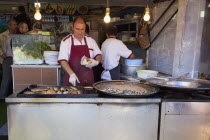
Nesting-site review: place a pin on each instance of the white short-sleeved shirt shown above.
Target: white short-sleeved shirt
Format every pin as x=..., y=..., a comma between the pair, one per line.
x=65, y=47
x=112, y=49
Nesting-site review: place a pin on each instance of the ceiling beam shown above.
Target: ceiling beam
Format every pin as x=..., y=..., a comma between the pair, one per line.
x=141, y=3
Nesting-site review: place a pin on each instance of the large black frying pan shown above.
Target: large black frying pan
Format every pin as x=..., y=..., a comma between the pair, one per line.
x=126, y=86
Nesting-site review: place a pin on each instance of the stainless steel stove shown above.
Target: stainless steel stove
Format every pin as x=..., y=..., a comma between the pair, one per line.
x=183, y=95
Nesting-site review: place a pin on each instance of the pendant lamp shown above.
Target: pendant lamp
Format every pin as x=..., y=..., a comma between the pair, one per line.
x=147, y=14
x=37, y=15
x=107, y=18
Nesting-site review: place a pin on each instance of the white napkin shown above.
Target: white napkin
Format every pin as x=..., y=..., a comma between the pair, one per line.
x=85, y=60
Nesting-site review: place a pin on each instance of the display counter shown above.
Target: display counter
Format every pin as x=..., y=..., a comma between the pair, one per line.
x=110, y=118
x=82, y=118
x=26, y=75
x=103, y=118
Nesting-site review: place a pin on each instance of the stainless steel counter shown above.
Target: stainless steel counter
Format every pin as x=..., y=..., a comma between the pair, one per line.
x=185, y=121
x=107, y=118
x=82, y=118
x=13, y=99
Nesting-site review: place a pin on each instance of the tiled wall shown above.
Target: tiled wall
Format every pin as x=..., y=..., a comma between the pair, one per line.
x=161, y=53
x=24, y=77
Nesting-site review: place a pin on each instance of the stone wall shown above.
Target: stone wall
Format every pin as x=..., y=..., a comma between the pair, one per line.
x=188, y=38
x=161, y=53
x=183, y=45
x=205, y=44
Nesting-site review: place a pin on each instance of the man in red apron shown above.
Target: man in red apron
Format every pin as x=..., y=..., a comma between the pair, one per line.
x=72, y=49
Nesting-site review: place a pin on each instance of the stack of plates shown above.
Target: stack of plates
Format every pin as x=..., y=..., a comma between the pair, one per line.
x=51, y=57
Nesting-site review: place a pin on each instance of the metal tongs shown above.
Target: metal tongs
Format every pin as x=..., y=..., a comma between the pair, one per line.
x=180, y=77
x=172, y=79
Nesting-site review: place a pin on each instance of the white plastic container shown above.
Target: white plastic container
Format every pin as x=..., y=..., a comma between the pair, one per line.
x=144, y=74
x=125, y=36
x=51, y=57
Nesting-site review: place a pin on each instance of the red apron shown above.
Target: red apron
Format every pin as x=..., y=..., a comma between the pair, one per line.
x=84, y=74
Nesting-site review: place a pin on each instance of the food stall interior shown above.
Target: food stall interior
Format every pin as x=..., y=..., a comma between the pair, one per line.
x=173, y=109
x=125, y=17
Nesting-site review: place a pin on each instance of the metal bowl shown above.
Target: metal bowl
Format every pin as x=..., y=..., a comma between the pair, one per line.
x=130, y=70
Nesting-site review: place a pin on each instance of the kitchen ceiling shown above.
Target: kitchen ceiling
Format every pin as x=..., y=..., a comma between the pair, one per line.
x=142, y=3
x=10, y=7
x=3, y=3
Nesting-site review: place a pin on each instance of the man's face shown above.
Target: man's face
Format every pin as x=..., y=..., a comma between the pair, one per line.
x=79, y=30
x=24, y=29
x=12, y=26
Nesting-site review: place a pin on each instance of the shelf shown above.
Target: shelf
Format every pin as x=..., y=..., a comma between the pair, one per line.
x=129, y=25
x=46, y=22
x=131, y=43
x=125, y=21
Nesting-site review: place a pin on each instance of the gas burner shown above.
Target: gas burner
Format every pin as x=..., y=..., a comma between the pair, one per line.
x=184, y=95
x=201, y=95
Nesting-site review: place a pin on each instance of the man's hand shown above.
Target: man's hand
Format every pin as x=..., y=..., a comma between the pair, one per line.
x=73, y=79
x=92, y=64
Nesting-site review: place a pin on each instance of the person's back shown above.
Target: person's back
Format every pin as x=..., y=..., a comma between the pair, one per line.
x=112, y=49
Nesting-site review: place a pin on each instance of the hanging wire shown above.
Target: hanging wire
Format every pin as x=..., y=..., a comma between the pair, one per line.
x=107, y=2
x=37, y=3
x=147, y=2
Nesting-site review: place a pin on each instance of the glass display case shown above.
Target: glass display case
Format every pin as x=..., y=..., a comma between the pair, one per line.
x=29, y=49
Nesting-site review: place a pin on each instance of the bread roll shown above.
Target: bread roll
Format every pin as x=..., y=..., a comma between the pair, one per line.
x=86, y=61
x=38, y=89
x=50, y=91
x=28, y=92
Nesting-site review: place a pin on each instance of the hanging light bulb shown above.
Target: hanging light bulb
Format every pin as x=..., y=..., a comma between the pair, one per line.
x=37, y=15
x=147, y=15
x=107, y=18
